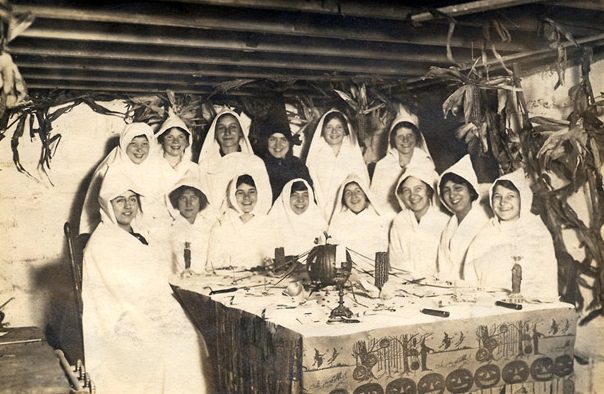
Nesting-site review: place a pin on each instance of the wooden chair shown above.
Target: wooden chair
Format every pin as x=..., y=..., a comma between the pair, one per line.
x=75, y=248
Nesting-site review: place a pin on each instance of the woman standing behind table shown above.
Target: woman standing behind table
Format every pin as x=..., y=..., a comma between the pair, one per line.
x=407, y=148
x=193, y=220
x=358, y=223
x=514, y=236
x=243, y=237
x=282, y=166
x=227, y=152
x=297, y=219
x=175, y=138
x=137, y=338
x=334, y=153
x=135, y=157
x=458, y=188
x=416, y=230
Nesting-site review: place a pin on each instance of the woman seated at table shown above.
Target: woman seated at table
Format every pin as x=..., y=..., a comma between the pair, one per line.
x=175, y=138
x=296, y=218
x=137, y=338
x=227, y=152
x=514, y=237
x=458, y=188
x=407, y=148
x=334, y=153
x=358, y=223
x=416, y=230
x=193, y=220
x=243, y=237
x=134, y=157
x=282, y=166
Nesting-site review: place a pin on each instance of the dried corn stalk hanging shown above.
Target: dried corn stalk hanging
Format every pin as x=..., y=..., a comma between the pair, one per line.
x=369, y=113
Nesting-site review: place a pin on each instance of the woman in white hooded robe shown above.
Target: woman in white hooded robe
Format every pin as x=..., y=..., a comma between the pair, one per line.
x=416, y=230
x=227, y=152
x=334, y=153
x=297, y=219
x=136, y=157
x=137, y=338
x=175, y=140
x=193, y=219
x=243, y=237
x=514, y=236
x=407, y=147
x=358, y=224
x=459, y=192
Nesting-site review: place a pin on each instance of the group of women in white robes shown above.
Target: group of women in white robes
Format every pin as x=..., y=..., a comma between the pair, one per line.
x=137, y=338
x=406, y=148
x=221, y=214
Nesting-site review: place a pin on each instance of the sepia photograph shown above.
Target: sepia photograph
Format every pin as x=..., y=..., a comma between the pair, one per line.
x=302, y=196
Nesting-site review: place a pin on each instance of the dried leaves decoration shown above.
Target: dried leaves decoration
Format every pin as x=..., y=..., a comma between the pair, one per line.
x=555, y=34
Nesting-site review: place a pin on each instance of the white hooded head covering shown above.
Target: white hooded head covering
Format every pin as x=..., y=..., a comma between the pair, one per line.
x=464, y=169
x=118, y=159
x=424, y=174
x=297, y=230
x=174, y=121
x=520, y=181
x=341, y=207
x=350, y=145
x=363, y=233
x=404, y=115
x=264, y=197
x=209, y=157
x=115, y=184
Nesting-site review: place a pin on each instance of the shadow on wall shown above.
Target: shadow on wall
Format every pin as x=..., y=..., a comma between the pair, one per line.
x=77, y=204
x=54, y=280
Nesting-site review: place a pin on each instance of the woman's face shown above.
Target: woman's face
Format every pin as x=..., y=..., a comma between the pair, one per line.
x=228, y=132
x=189, y=205
x=278, y=145
x=175, y=141
x=457, y=197
x=246, y=196
x=138, y=149
x=414, y=194
x=354, y=197
x=334, y=132
x=405, y=140
x=125, y=207
x=299, y=201
x=506, y=203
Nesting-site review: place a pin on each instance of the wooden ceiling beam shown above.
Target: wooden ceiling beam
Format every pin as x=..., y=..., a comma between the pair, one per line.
x=472, y=7
x=132, y=88
x=271, y=23
x=368, y=9
x=213, y=73
x=67, y=49
x=591, y=5
x=95, y=32
x=71, y=75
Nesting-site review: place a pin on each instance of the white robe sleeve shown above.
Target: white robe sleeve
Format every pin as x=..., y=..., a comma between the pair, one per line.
x=395, y=250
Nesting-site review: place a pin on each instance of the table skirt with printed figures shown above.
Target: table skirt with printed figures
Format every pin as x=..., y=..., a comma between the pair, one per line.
x=528, y=351
x=518, y=352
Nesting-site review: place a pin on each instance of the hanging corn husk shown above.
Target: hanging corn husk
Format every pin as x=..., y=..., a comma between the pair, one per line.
x=369, y=115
